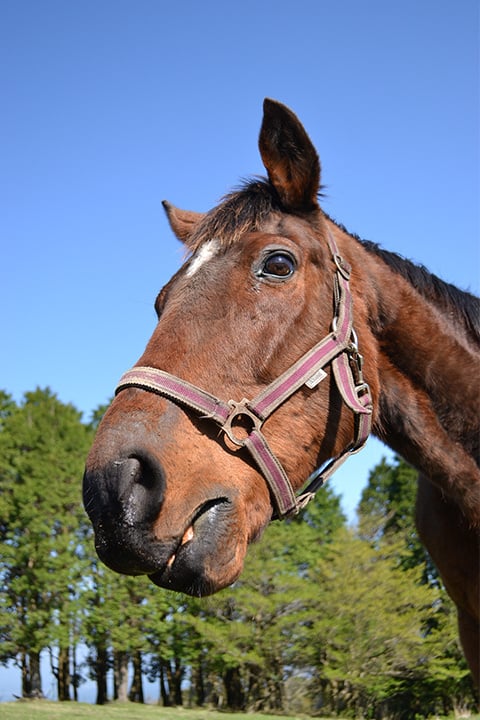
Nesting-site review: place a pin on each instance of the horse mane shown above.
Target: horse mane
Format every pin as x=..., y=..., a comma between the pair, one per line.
x=246, y=208
x=459, y=304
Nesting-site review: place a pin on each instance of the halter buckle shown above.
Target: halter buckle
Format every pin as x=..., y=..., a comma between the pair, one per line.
x=247, y=422
x=344, y=267
x=363, y=392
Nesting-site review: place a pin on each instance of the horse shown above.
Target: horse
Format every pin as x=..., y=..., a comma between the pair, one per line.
x=282, y=342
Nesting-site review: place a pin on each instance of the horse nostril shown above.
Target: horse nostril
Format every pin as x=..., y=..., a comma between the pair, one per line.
x=126, y=472
x=145, y=471
x=141, y=488
x=128, y=490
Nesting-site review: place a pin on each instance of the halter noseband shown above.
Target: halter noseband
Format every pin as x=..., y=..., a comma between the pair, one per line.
x=339, y=348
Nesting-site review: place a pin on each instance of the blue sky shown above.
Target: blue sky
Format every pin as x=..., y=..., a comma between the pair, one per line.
x=108, y=107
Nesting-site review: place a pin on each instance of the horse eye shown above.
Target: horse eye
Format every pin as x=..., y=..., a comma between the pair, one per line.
x=278, y=265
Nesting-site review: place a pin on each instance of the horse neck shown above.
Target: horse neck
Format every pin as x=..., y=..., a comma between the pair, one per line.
x=424, y=372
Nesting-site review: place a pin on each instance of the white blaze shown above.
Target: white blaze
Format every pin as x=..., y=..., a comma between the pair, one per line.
x=203, y=255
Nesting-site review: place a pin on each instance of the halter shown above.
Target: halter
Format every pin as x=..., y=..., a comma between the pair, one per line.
x=339, y=349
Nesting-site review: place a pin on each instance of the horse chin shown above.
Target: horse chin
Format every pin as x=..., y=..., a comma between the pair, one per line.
x=210, y=554
x=188, y=576
x=127, y=550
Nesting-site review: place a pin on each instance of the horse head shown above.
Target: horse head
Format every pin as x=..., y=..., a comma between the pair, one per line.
x=170, y=494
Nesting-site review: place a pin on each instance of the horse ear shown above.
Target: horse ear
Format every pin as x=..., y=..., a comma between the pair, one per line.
x=289, y=157
x=182, y=222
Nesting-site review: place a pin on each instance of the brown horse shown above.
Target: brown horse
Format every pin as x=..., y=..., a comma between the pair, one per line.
x=253, y=377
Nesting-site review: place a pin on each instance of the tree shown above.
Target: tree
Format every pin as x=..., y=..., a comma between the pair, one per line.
x=173, y=642
x=249, y=631
x=387, y=510
x=386, y=520
x=43, y=444
x=367, y=640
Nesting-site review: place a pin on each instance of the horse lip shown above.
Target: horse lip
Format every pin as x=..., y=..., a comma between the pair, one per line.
x=133, y=549
x=207, y=506
x=172, y=574
x=127, y=550
x=189, y=533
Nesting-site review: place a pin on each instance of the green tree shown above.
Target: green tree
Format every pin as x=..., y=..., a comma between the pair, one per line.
x=43, y=443
x=367, y=641
x=249, y=632
x=387, y=511
x=386, y=520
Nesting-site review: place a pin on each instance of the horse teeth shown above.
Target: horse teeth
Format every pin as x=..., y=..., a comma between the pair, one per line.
x=187, y=535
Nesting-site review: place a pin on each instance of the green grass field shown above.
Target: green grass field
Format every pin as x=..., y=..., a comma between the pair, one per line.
x=44, y=710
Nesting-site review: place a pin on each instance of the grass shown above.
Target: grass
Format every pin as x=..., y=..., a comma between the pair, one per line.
x=45, y=710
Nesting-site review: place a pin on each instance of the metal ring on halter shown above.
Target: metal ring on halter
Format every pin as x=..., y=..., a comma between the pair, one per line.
x=342, y=266
x=240, y=410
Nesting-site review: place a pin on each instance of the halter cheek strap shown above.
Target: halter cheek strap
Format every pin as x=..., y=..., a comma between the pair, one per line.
x=338, y=349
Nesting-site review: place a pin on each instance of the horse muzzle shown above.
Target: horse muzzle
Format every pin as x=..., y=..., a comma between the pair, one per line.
x=124, y=499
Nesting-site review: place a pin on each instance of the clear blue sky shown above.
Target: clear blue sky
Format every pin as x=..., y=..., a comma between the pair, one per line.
x=110, y=106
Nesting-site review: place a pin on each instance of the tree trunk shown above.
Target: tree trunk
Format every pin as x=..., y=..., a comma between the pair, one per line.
x=120, y=675
x=75, y=676
x=136, y=689
x=175, y=677
x=25, y=676
x=233, y=689
x=101, y=667
x=63, y=674
x=276, y=687
x=199, y=684
x=31, y=676
x=253, y=694
x=164, y=694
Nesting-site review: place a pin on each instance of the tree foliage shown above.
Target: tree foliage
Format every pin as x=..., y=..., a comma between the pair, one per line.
x=42, y=448
x=322, y=618
x=387, y=510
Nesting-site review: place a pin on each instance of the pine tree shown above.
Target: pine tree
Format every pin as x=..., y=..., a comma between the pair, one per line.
x=386, y=520
x=387, y=510
x=43, y=443
x=249, y=632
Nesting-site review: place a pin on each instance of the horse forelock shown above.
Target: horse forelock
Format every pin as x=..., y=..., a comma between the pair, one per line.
x=241, y=211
